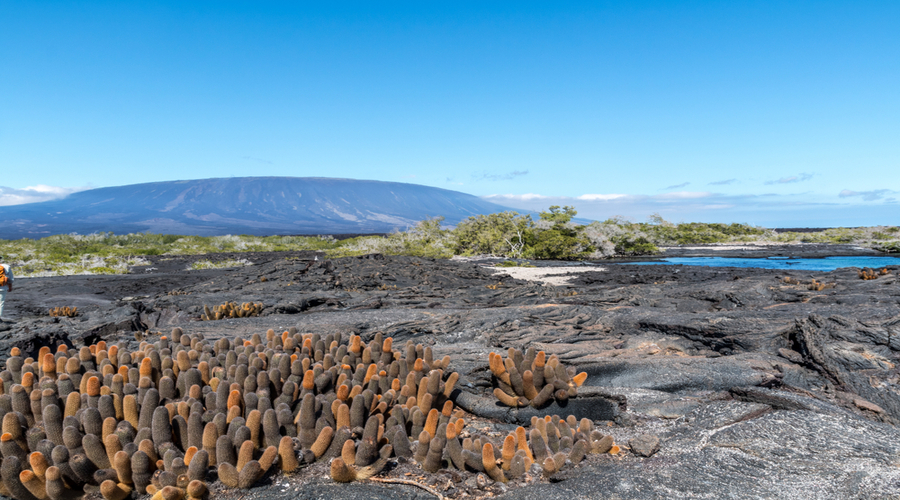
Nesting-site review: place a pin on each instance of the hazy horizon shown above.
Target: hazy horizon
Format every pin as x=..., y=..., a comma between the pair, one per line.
x=541, y=203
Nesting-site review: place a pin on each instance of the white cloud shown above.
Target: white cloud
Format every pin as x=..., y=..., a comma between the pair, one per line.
x=523, y=197
x=35, y=194
x=601, y=197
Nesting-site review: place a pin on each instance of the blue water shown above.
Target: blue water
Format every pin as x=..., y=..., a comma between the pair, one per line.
x=825, y=264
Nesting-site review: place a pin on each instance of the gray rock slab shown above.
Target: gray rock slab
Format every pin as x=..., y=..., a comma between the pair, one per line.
x=660, y=404
x=674, y=374
x=718, y=414
x=591, y=403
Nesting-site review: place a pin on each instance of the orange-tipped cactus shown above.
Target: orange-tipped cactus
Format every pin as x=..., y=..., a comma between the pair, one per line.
x=234, y=399
x=490, y=463
x=507, y=399
x=93, y=386
x=39, y=464
x=508, y=451
x=309, y=380
x=48, y=365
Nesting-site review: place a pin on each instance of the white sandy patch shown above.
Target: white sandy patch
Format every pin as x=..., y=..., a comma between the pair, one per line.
x=545, y=274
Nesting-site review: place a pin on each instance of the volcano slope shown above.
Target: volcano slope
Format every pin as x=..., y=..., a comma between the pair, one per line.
x=755, y=383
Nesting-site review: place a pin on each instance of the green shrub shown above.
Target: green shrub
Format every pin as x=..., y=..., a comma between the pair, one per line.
x=558, y=245
x=692, y=233
x=427, y=239
x=555, y=237
x=635, y=246
x=505, y=234
x=559, y=216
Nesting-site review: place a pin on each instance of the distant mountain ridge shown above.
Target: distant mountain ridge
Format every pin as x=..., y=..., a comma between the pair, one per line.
x=243, y=205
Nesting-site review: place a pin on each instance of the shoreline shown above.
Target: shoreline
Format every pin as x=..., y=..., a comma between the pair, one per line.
x=763, y=250
x=745, y=251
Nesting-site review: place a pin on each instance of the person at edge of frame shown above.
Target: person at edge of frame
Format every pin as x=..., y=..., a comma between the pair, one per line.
x=6, y=284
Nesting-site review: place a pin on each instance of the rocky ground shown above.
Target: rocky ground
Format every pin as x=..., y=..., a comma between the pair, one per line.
x=755, y=385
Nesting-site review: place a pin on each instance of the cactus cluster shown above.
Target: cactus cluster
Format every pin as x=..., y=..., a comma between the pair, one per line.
x=532, y=378
x=818, y=286
x=814, y=285
x=159, y=419
x=552, y=442
x=155, y=420
x=867, y=273
x=231, y=310
x=67, y=312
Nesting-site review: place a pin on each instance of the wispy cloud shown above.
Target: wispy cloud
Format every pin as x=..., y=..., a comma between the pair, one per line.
x=484, y=176
x=679, y=186
x=257, y=160
x=34, y=194
x=723, y=183
x=803, y=177
x=873, y=195
x=683, y=195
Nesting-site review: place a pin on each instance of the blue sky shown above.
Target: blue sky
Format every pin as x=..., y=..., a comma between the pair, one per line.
x=772, y=113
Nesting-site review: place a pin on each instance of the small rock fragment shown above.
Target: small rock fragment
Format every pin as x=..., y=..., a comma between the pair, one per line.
x=645, y=445
x=862, y=404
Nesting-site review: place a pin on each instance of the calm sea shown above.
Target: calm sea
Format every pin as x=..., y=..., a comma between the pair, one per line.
x=824, y=264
